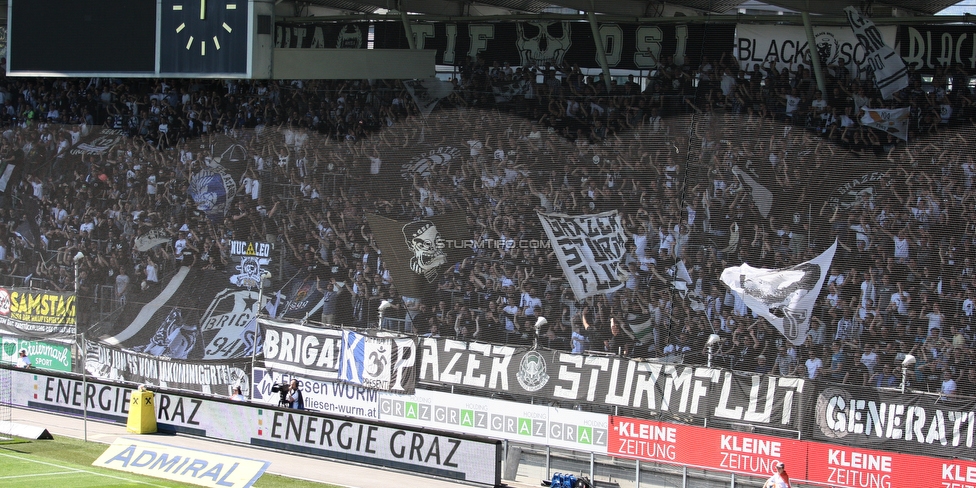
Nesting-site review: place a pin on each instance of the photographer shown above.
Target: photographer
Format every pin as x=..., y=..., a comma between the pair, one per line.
x=294, y=397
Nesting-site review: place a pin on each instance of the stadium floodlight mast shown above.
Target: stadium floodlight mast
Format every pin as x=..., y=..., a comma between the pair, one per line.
x=265, y=275
x=906, y=363
x=712, y=340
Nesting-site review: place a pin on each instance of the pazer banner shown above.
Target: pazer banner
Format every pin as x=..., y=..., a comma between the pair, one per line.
x=668, y=390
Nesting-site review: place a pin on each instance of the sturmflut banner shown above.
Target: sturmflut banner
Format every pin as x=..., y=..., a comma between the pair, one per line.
x=37, y=313
x=589, y=249
x=669, y=391
x=785, y=297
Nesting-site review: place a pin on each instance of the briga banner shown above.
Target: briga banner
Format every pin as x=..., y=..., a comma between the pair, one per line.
x=667, y=390
x=37, y=313
x=299, y=350
x=888, y=420
x=381, y=363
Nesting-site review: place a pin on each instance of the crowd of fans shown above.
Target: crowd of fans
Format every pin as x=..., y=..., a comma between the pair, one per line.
x=669, y=156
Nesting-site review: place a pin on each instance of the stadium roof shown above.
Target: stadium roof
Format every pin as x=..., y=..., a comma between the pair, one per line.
x=634, y=8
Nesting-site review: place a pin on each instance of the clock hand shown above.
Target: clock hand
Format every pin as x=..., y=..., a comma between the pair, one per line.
x=203, y=9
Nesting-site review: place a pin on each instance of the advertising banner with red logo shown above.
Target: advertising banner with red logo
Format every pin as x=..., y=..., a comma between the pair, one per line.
x=712, y=449
x=758, y=455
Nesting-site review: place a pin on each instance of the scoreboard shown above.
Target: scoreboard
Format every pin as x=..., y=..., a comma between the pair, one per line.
x=140, y=38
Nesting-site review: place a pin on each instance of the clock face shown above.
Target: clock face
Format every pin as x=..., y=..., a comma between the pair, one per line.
x=203, y=37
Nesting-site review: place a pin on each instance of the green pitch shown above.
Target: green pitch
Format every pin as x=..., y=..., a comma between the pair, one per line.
x=68, y=462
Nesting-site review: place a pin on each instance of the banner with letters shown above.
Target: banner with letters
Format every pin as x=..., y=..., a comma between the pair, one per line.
x=889, y=71
x=535, y=43
x=589, y=249
x=787, y=45
x=382, y=363
x=213, y=377
x=925, y=47
x=668, y=391
x=321, y=35
x=196, y=314
x=37, y=313
x=300, y=350
x=331, y=397
x=44, y=355
x=887, y=420
x=823, y=464
x=519, y=422
x=435, y=453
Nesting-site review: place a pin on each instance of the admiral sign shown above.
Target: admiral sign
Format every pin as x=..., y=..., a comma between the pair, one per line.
x=37, y=313
x=662, y=389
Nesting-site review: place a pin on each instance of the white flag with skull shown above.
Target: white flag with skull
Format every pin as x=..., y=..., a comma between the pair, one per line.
x=785, y=297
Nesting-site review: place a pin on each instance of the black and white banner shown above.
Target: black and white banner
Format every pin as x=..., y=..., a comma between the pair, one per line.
x=785, y=297
x=152, y=238
x=380, y=363
x=787, y=44
x=891, y=120
x=426, y=93
x=589, y=249
x=888, y=420
x=926, y=47
x=670, y=392
x=299, y=350
x=890, y=73
x=212, y=377
x=536, y=43
x=506, y=92
x=321, y=35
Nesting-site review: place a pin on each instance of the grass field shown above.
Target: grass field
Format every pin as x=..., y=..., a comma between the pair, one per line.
x=68, y=462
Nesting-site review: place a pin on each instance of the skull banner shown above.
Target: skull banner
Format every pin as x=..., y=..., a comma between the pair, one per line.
x=541, y=42
x=419, y=252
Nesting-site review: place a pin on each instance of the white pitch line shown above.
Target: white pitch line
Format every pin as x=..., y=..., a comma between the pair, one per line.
x=75, y=470
x=38, y=475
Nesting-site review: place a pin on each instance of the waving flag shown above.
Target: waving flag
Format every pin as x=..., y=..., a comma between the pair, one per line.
x=785, y=297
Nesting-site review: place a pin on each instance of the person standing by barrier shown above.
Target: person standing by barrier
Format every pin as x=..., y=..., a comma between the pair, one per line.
x=23, y=360
x=295, y=399
x=780, y=479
